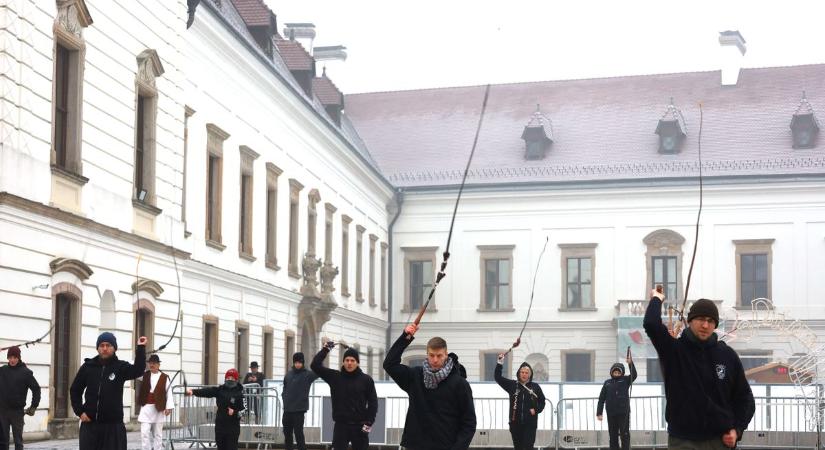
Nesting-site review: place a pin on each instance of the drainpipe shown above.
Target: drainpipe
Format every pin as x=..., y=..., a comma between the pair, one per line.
x=399, y=201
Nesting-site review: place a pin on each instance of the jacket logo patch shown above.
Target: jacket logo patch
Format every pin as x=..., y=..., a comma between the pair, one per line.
x=720, y=371
x=112, y=376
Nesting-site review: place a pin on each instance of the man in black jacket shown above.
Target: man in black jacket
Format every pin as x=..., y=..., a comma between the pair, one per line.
x=15, y=381
x=441, y=415
x=229, y=399
x=616, y=393
x=526, y=402
x=295, y=394
x=100, y=408
x=354, y=401
x=709, y=400
x=254, y=394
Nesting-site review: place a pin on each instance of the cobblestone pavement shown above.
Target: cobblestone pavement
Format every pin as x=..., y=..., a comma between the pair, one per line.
x=133, y=443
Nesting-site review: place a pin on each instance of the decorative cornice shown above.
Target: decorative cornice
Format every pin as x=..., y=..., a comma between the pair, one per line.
x=330, y=207
x=72, y=266
x=248, y=153
x=150, y=286
x=663, y=237
x=584, y=245
x=295, y=184
x=215, y=130
x=314, y=197
x=149, y=66
x=87, y=225
x=273, y=169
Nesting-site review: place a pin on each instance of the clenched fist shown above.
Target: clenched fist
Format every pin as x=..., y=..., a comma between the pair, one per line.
x=142, y=340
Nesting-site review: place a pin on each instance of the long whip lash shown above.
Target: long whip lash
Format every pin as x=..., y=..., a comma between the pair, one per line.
x=698, y=217
x=532, y=294
x=446, y=255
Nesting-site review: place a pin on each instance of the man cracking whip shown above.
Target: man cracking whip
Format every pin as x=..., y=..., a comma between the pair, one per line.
x=526, y=402
x=709, y=400
x=441, y=415
x=616, y=393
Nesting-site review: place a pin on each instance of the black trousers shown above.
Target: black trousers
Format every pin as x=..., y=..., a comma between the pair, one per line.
x=619, y=426
x=14, y=419
x=524, y=435
x=102, y=436
x=343, y=434
x=227, y=434
x=293, y=423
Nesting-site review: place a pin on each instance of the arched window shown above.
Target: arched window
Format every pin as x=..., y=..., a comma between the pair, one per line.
x=664, y=263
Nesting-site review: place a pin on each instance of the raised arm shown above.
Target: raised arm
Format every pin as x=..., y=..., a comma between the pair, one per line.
x=633, y=373
x=317, y=366
x=507, y=384
x=132, y=371
x=655, y=329
x=399, y=373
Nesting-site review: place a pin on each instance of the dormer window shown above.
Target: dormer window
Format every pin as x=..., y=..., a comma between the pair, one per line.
x=537, y=135
x=804, y=125
x=671, y=130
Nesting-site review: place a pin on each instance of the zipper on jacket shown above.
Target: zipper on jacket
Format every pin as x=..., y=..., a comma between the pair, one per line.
x=99, y=386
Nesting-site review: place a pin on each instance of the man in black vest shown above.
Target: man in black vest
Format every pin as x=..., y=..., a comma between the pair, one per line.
x=155, y=404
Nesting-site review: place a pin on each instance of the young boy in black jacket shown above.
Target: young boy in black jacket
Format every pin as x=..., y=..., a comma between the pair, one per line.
x=616, y=393
x=354, y=401
x=100, y=407
x=230, y=401
x=526, y=402
x=709, y=400
x=441, y=415
x=296, y=401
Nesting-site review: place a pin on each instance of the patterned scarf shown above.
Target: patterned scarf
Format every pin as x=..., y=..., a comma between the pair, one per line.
x=431, y=379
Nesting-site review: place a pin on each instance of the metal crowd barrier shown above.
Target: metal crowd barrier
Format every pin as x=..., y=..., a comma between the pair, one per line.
x=779, y=422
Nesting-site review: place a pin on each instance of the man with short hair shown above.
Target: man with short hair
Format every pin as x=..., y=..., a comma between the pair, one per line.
x=97, y=394
x=441, y=414
x=254, y=394
x=354, y=401
x=155, y=401
x=15, y=381
x=709, y=400
x=295, y=395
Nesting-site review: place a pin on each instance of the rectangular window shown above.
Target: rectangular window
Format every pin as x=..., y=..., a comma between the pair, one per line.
x=754, y=359
x=213, y=216
x=61, y=106
x=140, y=153
x=421, y=282
x=330, y=212
x=369, y=362
x=294, y=199
x=665, y=274
x=241, y=346
x=188, y=112
x=267, y=351
x=754, y=276
x=209, y=368
x=489, y=360
x=578, y=367
x=371, y=286
x=496, y=283
x=579, y=283
x=289, y=350
x=62, y=341
x=359, y=262
x=245, y=242
x=345, y=221
x=381, y=375
x=384, y=248
x=654, y=371
x=272, y=173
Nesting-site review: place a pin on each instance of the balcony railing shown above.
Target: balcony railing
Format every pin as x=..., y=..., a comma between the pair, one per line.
x=636, y=308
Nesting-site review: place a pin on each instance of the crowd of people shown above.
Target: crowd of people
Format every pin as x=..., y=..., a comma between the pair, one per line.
x=709, y=400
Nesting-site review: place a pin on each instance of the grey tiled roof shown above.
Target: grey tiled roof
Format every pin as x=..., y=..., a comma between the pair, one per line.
x=603, y=129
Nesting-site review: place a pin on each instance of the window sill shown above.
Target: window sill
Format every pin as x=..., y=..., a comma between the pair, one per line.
x=407, y=310
x=484, y=310
x=359, y=299
x=186, y=234
x=78, y=179
x=293, y=273
x=145, y=207
x=373, y=304
x=272, y=264
x=577, y=309
x=345, y=293
x=247, y=256
x=215, y=244
x=768, y=307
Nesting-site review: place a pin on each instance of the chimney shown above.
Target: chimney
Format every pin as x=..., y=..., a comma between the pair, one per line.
x=330, y=57
x=733, y=52
x=301, y=32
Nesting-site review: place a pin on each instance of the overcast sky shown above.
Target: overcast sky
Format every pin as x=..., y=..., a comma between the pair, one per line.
x=410, y=45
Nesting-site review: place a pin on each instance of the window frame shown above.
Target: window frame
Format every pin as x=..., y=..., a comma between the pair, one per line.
x=752, y=247
x=417, y=254
x=578, y=251
x=246, y=216
x=271, y=256
x=495, y=253
x=664, y=242
x=506, y=370
x=215, y=139
x=566, y=353
x=293, y=263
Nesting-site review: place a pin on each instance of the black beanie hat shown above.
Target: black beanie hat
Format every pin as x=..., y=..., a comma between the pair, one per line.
x=298, y=357
x=704, y=308
x=352, y=352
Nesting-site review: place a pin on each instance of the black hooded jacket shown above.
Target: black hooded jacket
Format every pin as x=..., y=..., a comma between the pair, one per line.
x=14, y=382
x=354, y=400
x=297, y=383
x=705, y=385
x=225, y=397
x=103, y=382
x=443, y=418
x=523, y=397
x=616, y=391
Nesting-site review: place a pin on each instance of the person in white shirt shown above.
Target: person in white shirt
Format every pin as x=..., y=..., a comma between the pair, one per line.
x=156, y=403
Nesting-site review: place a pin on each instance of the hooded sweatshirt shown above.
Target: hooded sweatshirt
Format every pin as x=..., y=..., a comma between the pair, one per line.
x=523, y=397
x=705, y=385
x=616, y=391
x=14, y=382
x=354, y=400
x=102, y=381
x=296, y=389
x=443, y=418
